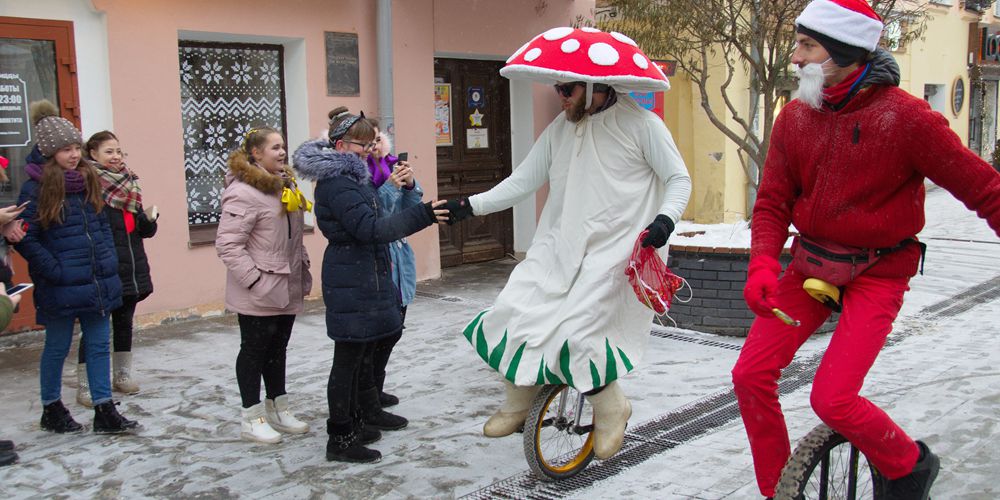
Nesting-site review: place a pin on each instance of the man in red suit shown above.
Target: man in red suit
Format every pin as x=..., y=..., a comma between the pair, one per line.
x=846, y=166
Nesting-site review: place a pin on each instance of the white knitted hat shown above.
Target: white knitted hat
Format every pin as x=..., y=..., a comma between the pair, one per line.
x=852, y=22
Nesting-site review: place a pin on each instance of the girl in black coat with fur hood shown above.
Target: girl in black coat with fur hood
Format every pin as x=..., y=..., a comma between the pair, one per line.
x=362, y=304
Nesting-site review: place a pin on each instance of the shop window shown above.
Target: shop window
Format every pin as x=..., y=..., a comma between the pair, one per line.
x=226, y=89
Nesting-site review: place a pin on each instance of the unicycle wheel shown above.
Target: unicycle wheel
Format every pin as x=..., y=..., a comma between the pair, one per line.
x=825, y=465
x=557, y=433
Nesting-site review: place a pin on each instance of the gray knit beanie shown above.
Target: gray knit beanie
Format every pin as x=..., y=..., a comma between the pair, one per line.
x=52, y=132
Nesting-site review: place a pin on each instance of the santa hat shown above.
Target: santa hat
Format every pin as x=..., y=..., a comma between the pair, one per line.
x=852, y=22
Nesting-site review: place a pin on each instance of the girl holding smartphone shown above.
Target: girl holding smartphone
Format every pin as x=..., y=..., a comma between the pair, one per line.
x=362, y=306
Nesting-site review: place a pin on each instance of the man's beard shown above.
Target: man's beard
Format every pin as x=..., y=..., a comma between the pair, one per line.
x=812, y=77
x=576, y=112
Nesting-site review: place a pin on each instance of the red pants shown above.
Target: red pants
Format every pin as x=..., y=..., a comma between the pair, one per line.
x=870, y=306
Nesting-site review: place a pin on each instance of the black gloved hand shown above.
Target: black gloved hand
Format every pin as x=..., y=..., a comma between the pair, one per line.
x=659, y=231
x=458, y=210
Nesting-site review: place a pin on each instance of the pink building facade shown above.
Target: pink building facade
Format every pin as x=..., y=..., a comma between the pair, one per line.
x=145, y=70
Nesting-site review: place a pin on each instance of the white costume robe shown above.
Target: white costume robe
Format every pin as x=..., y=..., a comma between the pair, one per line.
x=568, y=314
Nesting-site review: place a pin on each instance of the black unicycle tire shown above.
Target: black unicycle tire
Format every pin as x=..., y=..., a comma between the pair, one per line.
x=532, y=451
x=806, y=457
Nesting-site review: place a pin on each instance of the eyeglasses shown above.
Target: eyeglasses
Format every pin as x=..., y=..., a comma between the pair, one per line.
x=566, y=89
x=368, y=146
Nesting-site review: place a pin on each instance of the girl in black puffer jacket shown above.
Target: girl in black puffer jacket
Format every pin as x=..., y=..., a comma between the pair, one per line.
x=72, y=261
x=129, y=226
x=362, y=303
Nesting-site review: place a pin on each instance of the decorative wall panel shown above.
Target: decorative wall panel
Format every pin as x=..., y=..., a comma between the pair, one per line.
x=226, y=89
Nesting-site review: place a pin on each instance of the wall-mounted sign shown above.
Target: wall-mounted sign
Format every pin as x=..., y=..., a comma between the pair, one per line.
x=652, y=101
x=442, y=114
x=342, y=77
x=669, y=68
x=15, y=129
x=957, y=95
x=477, y=98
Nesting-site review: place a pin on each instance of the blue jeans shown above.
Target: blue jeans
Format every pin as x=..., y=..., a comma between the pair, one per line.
x=97, y=341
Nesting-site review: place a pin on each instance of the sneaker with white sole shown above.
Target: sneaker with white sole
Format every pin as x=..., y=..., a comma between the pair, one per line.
x=281, y=419
x=255, y=426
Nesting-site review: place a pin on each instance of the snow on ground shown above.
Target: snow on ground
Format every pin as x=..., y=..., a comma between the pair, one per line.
x=941, y=381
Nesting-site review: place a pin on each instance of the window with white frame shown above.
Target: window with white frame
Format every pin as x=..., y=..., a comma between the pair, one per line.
x=226, y=89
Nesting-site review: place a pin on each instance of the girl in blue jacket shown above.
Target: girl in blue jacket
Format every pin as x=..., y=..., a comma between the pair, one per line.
x=72, y=261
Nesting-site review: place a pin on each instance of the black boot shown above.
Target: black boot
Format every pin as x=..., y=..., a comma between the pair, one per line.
x=56, y=418
x=6, y=445
x=387, y=400
x=375, y=416
x=366, y=433
x=343, y=444
x=107, y=420
x=917, y=484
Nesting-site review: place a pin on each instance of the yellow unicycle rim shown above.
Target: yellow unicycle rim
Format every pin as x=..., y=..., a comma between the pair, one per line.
x=576, y=461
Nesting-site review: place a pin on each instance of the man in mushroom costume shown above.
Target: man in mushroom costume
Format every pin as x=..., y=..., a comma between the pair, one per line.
x=567, y=314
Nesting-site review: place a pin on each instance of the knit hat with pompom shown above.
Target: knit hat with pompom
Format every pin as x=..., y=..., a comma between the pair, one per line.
x=52, y=132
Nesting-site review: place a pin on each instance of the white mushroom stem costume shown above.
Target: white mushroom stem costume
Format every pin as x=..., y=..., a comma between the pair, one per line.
x=567, y=314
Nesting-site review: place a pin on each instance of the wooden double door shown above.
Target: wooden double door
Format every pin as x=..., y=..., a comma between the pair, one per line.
x=37, y=61
x=475, y=157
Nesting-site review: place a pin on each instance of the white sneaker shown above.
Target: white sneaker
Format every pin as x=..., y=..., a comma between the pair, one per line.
x=281, y=419
x=83, y=386
x=255, y=426
x=122, y=380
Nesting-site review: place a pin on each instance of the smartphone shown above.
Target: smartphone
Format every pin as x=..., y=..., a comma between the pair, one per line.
x=18, y=288
x=403, y=156
x=23, y=205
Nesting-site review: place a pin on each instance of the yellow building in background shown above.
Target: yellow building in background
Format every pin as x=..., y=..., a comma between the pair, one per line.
x=939, y=67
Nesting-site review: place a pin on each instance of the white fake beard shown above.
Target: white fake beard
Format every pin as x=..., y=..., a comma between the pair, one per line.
x=812, y=77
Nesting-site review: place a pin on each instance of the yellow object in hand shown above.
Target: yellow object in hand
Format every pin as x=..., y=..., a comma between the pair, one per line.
x=785, y=318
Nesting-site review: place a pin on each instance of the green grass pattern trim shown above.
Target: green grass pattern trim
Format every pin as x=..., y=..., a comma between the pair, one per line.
x=514, y=362
x=564, y=364
x=481, y=347
x=540, y=380
x=552, y=378
x=497, y=353
x=472, y=327
x=611, y=368
x=595, y=377
x=625, y=360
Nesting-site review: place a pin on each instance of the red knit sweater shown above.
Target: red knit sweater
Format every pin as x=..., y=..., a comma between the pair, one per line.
x=856, y=176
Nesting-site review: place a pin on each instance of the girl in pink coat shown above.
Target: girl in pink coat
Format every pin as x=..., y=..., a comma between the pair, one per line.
x=260, y=241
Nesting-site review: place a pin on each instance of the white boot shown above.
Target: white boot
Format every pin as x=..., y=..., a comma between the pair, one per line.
x=122, y=379
x=83, y=386
x=255, y=426
x=281, y=419
x=512, y=413
x=611, y=413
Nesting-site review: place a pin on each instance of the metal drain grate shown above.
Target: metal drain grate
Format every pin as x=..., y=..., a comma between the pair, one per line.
x=684, y=338
x=705, y=415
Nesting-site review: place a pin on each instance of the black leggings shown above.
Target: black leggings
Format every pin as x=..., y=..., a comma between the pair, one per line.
x=262, y=354
x=351, y=373
x=380, y=358
x=121, y=327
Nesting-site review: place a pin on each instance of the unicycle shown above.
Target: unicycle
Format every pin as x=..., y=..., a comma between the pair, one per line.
x=557, y=433
x=825, y=466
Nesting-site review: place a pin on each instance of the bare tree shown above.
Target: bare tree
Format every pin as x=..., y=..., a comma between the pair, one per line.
x=715, y=39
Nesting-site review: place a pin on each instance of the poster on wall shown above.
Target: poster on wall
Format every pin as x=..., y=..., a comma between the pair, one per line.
x=342, y=76
x=652, y=101
x=442, y=113
x=477, y=138
x=14, y=122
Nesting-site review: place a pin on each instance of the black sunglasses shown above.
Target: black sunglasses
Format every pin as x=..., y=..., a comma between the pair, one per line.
x=566, y=89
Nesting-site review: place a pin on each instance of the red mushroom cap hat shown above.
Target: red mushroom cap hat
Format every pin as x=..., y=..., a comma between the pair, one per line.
x=588, y=55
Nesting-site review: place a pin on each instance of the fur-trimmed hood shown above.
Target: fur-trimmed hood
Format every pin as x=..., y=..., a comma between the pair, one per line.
x=258, y=178
x=316, y=160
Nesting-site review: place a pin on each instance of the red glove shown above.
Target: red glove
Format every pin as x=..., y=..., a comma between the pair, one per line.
x=762, y=282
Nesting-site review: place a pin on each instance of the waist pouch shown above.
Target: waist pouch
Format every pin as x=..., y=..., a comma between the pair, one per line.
x=834, y=263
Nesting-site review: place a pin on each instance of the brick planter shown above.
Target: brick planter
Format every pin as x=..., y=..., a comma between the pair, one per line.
x=717, y=277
